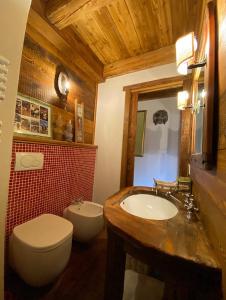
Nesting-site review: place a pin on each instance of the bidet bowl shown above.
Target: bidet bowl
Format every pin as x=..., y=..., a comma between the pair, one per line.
x=87, y=219
x=150, y=207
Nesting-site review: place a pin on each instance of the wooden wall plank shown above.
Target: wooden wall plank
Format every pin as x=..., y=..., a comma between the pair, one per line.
x=151, y=59
x=56, y=52
x=37, y=74
x=209, y=191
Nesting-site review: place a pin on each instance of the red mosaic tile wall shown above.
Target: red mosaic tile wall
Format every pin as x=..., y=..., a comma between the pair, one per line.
x=67, y=174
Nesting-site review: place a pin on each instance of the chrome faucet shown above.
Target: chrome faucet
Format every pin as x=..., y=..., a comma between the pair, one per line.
x=78, y=201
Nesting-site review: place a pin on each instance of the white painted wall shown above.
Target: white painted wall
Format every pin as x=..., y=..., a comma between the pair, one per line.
x=13, y=19
x=160, y=158
x=109, y=127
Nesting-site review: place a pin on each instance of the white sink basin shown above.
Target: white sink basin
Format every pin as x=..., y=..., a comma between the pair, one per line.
x=149, y=207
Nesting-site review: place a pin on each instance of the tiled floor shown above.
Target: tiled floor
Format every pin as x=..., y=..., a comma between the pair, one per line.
x=83, y=279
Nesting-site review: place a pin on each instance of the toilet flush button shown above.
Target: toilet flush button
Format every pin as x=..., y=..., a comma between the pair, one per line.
x=29, y=161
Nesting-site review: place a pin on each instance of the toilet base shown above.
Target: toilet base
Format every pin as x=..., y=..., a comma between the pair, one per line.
x=38, y=268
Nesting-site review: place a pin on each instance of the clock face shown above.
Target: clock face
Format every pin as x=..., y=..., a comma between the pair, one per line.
x=63, y=83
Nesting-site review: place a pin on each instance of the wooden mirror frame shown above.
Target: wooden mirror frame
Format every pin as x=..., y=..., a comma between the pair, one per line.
x=206, y=159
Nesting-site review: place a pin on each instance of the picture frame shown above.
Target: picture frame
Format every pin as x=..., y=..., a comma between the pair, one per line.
x=79, y=122
x=32, y=117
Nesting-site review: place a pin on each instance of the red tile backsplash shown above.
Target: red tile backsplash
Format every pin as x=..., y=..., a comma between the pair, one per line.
x=67, y=174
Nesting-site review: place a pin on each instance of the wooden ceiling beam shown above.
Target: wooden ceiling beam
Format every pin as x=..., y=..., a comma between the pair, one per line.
x=63, y=13
x=147, y=60
x=64, y=46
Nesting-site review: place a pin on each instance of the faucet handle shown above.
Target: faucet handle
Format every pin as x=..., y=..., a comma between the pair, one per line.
x=196, y=209
x=189, y=215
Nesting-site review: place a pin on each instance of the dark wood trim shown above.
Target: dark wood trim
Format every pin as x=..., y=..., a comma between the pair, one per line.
x=172, y=92
x=150, y=59
x=185, y=134
x=131, y=139
x=213, y=186
x=156, y=85
x=207, y=159
x=95, y=115
x=132, y=93
x=115, y=268
x=45, y=141
x=125, y=139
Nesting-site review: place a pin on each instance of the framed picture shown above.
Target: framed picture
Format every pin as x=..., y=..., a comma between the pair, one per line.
x=32, y=117
x=140, y=133
x=79, y=122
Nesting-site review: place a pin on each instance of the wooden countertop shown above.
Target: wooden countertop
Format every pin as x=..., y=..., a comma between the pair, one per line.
x=175, y=238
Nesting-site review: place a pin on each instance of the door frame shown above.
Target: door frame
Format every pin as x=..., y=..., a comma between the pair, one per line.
x=132, y=93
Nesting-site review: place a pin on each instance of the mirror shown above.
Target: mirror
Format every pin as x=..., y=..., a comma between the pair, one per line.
x=204, y=95
x=199, y=102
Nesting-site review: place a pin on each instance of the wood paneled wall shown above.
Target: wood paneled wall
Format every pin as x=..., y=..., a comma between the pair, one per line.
x=45, y=48
x=210, y=186
x=37, y=73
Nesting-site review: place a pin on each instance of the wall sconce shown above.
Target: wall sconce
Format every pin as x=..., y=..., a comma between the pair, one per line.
x=182, y=100
x=62, y=83
x=185, y=54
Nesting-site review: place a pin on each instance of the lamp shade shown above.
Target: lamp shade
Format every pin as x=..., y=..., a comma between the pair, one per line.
x=182, y=99
x=185, y=50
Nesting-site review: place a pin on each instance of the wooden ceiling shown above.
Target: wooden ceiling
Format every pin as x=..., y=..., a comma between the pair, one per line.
x=124, y=33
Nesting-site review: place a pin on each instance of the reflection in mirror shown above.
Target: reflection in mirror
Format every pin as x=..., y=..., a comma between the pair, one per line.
x=205, y=90
x=200, y=95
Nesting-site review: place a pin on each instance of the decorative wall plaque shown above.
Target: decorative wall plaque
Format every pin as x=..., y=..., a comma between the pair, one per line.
x=160, y=117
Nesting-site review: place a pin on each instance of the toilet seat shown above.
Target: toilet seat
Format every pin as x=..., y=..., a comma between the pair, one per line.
x=43, y=233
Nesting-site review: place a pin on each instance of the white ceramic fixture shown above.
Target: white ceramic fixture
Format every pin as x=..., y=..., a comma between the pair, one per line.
x=149, y=207
x=87, y=219
x=40, y=248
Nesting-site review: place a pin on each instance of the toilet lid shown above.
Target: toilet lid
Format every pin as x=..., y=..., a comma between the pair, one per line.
x=44, y=232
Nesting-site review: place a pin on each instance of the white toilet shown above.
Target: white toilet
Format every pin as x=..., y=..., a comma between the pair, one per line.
x=87, y=219
x=40, y=249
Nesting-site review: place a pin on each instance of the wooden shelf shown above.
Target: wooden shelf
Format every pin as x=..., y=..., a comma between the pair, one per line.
x=41, y=140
